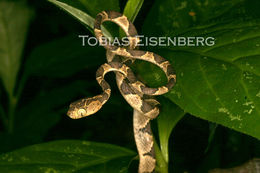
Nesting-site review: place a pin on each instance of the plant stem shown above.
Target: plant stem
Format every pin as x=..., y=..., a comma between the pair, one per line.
x=11, y=113
x=13, y=98
x=162, y=165
x=21, y=85
x=164, y=151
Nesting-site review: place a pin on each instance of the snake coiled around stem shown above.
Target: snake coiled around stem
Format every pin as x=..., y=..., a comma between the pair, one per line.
x=137, y=94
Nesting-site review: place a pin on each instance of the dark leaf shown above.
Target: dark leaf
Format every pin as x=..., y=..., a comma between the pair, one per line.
x=63, y=57
x=67, y=156
x=14, y=21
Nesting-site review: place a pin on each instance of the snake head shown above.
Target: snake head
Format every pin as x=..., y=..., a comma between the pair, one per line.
x=83, y=108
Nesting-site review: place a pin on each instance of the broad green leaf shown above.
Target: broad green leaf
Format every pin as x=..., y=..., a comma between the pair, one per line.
x=171, y=17
x=82, y=16
x=219, y=83
x=170, y=114
x=67, y=156
x=63, y=57
x=14, y=21
x=132, y=8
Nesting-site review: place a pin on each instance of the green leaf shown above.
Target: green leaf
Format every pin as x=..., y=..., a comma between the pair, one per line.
x=161, y=164
x=170, y=114
x=132, y=8
x=67, y=156
x=171, y=17
x=63, y=57
x=82, y=16
x=95, y=7
x=219, y=83
x=14, y=21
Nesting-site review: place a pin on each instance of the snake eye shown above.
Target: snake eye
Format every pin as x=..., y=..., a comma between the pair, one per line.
x=82, y=112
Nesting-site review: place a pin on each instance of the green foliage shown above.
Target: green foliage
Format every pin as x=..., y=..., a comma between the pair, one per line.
x=132, y=8
x=12, y=16
x=43, y=75
x=85, y=18
x=56, y=59
x=169, y=116
x=68, y=156
x=218, y=83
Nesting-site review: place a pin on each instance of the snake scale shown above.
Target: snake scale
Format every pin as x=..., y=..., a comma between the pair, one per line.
x=137, y=94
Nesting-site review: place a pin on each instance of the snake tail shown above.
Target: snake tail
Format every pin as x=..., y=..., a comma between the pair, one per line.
x=144, y=143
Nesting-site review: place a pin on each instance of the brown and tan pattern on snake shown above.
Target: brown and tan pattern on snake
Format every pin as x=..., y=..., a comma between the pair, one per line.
x=137, y=94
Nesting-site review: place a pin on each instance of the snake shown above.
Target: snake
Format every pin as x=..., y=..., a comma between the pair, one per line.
x=139, y=96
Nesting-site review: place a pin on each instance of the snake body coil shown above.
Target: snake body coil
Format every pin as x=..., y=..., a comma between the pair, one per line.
x=138, y=95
